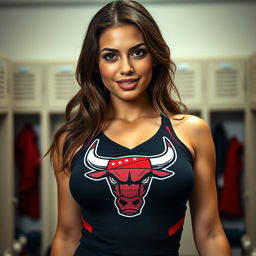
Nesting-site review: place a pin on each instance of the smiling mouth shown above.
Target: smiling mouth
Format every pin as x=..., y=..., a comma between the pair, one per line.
x=127, y=81
x=127, y=84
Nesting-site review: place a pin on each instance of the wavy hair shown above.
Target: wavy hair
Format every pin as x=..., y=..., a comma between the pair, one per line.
x=85, y=112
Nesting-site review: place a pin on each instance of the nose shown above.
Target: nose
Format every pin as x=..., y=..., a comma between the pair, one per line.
x=126, y=67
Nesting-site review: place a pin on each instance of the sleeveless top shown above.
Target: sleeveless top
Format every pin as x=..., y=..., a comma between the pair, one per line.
x=133, y=201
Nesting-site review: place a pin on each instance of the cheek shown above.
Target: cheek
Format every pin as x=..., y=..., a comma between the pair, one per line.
x=145, y=67
x=107, y=71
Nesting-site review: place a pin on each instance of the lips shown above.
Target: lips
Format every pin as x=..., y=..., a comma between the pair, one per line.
x=127, y=84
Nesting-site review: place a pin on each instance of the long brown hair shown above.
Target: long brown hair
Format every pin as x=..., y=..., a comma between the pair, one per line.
x=85, y=112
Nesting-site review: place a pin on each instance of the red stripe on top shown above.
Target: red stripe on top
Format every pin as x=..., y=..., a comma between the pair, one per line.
x=88, y=143
x=168, y=129
x=87, y=226
x=176, y=227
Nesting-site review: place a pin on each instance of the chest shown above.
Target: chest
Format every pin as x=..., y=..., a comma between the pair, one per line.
x=153, y=175
x=133, y=134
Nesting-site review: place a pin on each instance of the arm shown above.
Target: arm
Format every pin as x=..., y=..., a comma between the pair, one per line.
x=209, y=236
x=68, y=231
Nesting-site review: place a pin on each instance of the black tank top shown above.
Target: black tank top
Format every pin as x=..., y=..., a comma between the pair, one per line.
x=133, y=201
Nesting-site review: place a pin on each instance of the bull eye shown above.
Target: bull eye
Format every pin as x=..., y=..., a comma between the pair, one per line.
x=144, y=181
x=112, y=180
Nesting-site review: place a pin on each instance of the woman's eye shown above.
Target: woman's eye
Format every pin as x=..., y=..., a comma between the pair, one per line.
x=139, y=52
x=110, y=56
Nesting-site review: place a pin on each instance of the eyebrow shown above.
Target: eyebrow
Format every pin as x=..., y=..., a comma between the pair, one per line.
x=115, y=50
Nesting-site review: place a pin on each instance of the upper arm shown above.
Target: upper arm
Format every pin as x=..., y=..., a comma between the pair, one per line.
x=69, y=215
x=203, y=200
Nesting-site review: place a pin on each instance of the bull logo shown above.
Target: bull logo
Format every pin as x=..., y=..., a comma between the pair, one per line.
x=129, y=177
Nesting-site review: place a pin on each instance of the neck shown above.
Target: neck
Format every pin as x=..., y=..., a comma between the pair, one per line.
x=131, y=110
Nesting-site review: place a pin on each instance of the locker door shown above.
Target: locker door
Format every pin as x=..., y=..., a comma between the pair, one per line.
x=252, y=79
x=27, y=85
x=3, y=82
x=6, y=183
x=62, y=84
x=188, y=79
x=226, y=82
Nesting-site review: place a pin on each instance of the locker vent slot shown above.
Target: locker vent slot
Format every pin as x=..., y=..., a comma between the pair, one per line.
x=65, y=85
x=185, y=82
x=24, y=86
x=226, y=83
x=2, y=83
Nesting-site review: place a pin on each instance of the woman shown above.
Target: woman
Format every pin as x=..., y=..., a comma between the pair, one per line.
x=127, y=159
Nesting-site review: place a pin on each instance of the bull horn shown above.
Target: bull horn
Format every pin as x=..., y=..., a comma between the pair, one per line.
x=93, y=160
x=167, y=157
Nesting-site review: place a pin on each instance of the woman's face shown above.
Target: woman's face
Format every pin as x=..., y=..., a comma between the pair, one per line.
x=125, y=64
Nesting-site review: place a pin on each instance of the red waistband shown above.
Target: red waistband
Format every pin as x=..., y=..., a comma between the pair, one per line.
x=177, y=226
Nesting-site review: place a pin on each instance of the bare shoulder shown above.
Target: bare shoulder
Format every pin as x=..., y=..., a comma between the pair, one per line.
x=191, y=130
x=192, y=124
x=57, y=152
x=60, y=143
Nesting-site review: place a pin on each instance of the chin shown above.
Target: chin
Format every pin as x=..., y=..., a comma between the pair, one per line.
x=132, y=95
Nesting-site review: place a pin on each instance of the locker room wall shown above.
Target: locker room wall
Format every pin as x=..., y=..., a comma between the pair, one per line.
x=191, y=30
x=194, y=30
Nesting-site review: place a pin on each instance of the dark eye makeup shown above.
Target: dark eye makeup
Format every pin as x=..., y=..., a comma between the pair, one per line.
x=109, y=56
x=137, y=53
x=140, y=52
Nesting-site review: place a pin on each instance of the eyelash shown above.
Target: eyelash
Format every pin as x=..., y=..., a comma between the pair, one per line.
x=114, y=56
x=143, y=51
x=107, y=55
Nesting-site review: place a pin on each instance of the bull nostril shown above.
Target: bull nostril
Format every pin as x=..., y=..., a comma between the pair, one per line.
x=123, y=202
x=137, y=201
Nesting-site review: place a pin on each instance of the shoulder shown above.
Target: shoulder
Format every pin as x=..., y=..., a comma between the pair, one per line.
x=60, y=141
x=187, y=119
x=192, y=130
x=191, y=124
x=57, y=155
x=58, y=152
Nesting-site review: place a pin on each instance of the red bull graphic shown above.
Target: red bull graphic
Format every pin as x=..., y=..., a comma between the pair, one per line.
x=129, y=177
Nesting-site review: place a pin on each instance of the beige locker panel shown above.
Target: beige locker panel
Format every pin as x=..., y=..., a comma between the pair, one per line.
x=225, y=82
x=62, y=85
x=188, y=79
x=6, y=183
x=27, y=85
x=3, y=82
x=250, y=176
x=252, y=79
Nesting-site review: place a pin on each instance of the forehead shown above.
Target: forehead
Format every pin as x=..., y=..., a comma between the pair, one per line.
x=118, y=37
